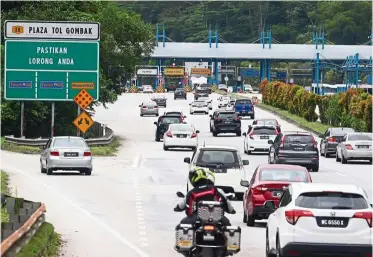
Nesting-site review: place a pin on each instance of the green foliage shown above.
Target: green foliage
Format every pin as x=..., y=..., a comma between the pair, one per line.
x=124, y=39
x=4, y=190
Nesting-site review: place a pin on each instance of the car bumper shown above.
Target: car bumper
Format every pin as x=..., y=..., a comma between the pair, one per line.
x=161, y=103
x=245, y=113
x=325, y=249
x=297, y=161
x=229, y=128
x=180, y=142
x=331, y=148
x=179, y=96
x=257, y=147
x=262, y=213
x=57, y=163
x=205, y=109
x=150, y=112
x=358, y=155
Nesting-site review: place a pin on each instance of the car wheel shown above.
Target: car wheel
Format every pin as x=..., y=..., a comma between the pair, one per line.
x=343, y=159
x=238, y=133
x=42, y=170
x=214, y=133
x=315, y=168
x=322, y=152
x=268, y=253
x=252, y=117
x=49, y=171
x=206, y=112
x=157, y=115
x=141, y=115
x=250, y=222
x=157, y=139
x=248, y=152
x=337, y=159
x=326, y=155
x=88, y=172
x=165, y=148
x=278, y=247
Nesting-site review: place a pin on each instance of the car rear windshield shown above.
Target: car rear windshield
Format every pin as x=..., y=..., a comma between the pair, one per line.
x=212, y=158
x=301, y=139
x=202, y=91
x=263, y=131
x=181, y=127
x=173, y=113
x=283, y=175
x=169, y=120
x=341, y=131
x=239, y=102
x=69, y=142
x=266, y=122
x=331, y=200
x=358, y=137
x=227, y=115
x=179, y=89
x=149, y=104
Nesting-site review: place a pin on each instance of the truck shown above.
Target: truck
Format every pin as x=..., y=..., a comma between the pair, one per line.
x=244, y=107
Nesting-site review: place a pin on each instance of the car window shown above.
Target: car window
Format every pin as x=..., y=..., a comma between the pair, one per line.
x=283, y=175
x=285, y=199
x=341, y=131
x=246, y=101
x=169, y=120
x=149, y=104
x=264, y=131
x=266, y=122
x=331, y=200
x=48, y=145
x=211, y=158
x=173, y=113
x=227, y=115
x=187, y=128
x=69, y=142
x=301, y=139
x=358, y=137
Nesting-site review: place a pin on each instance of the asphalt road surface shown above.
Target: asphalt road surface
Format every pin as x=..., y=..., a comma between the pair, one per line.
x=126, y=207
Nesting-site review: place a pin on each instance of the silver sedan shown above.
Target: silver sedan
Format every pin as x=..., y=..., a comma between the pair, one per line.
x=355, y=146
x=66, y=153
x=149, y=108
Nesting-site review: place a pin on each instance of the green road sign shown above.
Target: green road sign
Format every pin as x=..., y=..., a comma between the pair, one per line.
x=50, y=70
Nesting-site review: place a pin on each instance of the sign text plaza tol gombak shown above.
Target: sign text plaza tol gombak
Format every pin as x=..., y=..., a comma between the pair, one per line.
x=51, y=61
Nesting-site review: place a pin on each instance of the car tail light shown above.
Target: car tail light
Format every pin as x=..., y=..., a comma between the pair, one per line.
x=156, y=106
x=259, y=189
x=169, y=134
x=292, y=216
x=87, y=153
x=251, y=135
x=332, y=139
x=349, y=147
x=282, y=142
x=218, y=119
x=364, y=215
x=237, y=119
x=194, y=135
x=144, y=107
x=314, y=142
x=55, y=153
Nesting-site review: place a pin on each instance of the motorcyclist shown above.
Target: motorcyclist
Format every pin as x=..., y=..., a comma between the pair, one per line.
x=203, y=181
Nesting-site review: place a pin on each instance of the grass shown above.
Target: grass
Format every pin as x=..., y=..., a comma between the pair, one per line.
x=4, y=190
x=45, y=242
x=99, y=150
x=315, y=126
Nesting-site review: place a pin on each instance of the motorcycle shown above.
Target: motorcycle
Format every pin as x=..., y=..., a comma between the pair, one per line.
x=208, y=237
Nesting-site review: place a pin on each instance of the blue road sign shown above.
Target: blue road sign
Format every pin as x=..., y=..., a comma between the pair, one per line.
x=249, y=73
x=370, y=79
x=51, y=84
x=20, y=84
x=279, y=74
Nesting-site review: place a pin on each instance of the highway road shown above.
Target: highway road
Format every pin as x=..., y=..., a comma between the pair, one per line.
x=126, y=207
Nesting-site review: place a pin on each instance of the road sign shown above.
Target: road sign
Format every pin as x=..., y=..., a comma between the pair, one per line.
x=57, y=70
x=83, y=122
x=226, y=78
x=83, y=99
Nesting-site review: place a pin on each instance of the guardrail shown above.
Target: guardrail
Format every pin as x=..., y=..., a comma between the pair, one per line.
x=13, y=244
x=105, y=140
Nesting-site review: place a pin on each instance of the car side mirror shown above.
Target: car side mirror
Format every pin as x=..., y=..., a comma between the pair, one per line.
x=244, y=183
x=245, y=162
x=140, y=105
x=155, y=123
x=210, y=116
x=371, y=205
x=185, y=116
x=197, y=131
x=187, y=160
x=244, y=134
x=270, y=142
x=270, y=205
x=180, y=194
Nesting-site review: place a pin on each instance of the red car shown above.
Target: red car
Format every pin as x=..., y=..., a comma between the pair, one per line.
x=268, y=183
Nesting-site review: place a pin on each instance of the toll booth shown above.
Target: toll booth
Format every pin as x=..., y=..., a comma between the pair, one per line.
x=174, y=77
x=146, y=75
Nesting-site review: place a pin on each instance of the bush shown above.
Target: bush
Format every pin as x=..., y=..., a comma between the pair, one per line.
x=349, y=109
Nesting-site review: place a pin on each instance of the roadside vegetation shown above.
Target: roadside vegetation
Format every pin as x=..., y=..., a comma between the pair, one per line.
x=6, y=191
x=99, y=150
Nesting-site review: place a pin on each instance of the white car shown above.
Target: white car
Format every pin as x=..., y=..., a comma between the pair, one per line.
x=223, y=101
x=256, y=138
x=355, y=146
x=248, y=88
x=199, y=107
x=222, y=87
x=320, y=219
x=148, y=89
x=207, y=100
x=180, y=136
x=226, y=163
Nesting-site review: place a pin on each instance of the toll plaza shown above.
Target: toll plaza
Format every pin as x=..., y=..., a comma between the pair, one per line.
x=173, y=77
x=147, y=75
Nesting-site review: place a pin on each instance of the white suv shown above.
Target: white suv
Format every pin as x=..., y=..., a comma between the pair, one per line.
x=320, y=219
x=226, y=163
x=199, y=107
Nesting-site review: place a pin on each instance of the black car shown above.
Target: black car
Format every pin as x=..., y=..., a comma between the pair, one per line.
x=207, y=87
x=202, y=92
x=180, y=93
x=296, y=148
x=331, y=138
x=163, y=123
x=223, y=121
x=160, y=101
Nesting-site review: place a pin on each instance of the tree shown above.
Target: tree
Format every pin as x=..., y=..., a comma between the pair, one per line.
x=125, y=38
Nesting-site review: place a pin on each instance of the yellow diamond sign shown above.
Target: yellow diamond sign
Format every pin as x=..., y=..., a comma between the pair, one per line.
x=83, y=122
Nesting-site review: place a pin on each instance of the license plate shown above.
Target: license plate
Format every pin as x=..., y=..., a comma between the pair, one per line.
x=208, y=237
x=181, y=136
x=332, y=222
x=150, y=108
x=71, y=154
x=277, y=193
x=264, y=137
x=364, y=146
x=227, y=122
x=298, y=148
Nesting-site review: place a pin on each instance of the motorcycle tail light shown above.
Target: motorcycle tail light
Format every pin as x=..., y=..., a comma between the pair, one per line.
x=209, y=228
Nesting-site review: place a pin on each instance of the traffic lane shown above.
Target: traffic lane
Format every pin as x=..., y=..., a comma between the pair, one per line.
x=82, y=205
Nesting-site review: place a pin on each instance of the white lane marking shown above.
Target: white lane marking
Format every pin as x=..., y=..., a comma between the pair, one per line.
x=136, y=162
x=110, y=230
x=341, y=174
x=142, y=227
x=143, y=239
x=142, y=233
x=140, y=218
x=144, y=244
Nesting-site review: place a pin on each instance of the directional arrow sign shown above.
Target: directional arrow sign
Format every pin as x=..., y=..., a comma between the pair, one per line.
x=83, y=126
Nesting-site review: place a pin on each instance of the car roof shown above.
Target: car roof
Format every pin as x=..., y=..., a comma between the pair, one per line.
x=218, y=147
x=66, y=137
x=263, y=126
x=265, y=119
x=149, y=102
x=171, y=115
x=281, y=167
x=359, y=133
x=299, y=188
x=296, y=132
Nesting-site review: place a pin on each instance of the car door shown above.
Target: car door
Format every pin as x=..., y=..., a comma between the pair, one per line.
x=45, y=152
x=323, y=141
x=246, y=139
x=212, y=123
x=273, y=150
x=341, y=146
x=248, y=191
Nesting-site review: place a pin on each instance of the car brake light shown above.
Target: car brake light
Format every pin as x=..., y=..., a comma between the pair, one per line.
x=87, y=154
x=54, y=153
x=144, y=107
x=349, y=147
x=156, y=106
x=218, y=119
x=292, y=216
x=259, y=189
x=194, y=134
x=364, y=215
x=314, y=142
x=282, y=142
x=251, y=135
x=169, y=134
x=237, y=119
x=331, y=139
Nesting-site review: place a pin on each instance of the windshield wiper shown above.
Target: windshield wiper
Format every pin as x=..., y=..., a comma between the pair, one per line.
x=341, y=208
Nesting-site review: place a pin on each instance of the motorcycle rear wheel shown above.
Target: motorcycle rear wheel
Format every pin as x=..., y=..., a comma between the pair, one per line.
x=211, y=252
